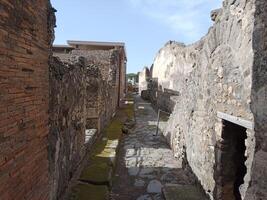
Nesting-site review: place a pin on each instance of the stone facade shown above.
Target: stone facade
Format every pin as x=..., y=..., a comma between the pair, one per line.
x=26, y=35
x=74, y=88
x=112, y=67
x=84, y=95
x=220, y=83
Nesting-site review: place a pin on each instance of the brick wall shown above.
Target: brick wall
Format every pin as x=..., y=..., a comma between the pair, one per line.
x=26, y=33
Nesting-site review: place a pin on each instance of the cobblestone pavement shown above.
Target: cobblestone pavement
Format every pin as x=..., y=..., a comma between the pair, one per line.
x=145, y=162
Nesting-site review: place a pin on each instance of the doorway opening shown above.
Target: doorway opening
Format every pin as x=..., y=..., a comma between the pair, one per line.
x=233, y=168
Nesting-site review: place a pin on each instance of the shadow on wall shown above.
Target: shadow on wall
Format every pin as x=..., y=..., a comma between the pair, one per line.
x=163, y=99
x=257, y=188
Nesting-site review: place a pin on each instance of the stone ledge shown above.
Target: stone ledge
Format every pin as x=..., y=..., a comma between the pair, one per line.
x=236, y=120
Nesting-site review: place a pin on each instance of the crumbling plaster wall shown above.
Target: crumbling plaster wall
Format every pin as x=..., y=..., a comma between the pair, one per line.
x=215, y=74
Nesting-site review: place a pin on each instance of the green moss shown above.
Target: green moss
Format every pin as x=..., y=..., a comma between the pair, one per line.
x=87, y=191
x=129, y=110
x=98, y=172
x=113, y=131
x=107, y=153
x=102, y=160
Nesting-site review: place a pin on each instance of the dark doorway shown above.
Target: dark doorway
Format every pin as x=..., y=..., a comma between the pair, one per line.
x=233, y=168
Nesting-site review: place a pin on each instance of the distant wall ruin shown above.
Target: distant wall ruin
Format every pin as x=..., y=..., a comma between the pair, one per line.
x=221, y=78
x=143, y=77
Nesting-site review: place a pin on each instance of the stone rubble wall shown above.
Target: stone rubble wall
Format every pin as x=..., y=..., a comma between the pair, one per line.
x=83, y=95
x=26, y=36
x=159, y=98
x=225, y=71
x=109, y=63
x=150, y=90
x=67, y=118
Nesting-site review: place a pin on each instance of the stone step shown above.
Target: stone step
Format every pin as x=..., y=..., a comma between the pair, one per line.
x=182, y=192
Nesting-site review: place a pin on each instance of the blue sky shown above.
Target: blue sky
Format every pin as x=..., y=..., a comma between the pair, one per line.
x=144, y=25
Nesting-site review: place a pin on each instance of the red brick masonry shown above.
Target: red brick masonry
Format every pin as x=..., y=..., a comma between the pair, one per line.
x=25, y=40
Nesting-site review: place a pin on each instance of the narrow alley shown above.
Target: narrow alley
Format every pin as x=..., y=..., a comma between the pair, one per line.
x=93, y=106
x=146, y=163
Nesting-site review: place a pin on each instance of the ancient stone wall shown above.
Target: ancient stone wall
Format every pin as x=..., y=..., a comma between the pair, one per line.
x=123, y=81
x=223, y=72
x=26, y=35
x=257, y=189
x=67, y=120
x=163, y=99
x=143, y=79
x=109, y=62
x=84, y=95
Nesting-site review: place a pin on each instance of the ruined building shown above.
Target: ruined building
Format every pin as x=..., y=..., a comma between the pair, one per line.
x=219, y=122
x=52, y=108
x=110, y=60
x=87, y=84
x=54, y=101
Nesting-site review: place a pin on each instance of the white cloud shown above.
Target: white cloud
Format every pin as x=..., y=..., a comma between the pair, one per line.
x=187, y=18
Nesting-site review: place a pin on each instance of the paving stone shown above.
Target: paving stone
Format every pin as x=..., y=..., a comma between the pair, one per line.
x=128, y=147
x=144, y=197
x=133, y=171
x=131, y=162
x=158, y=197
x=168, y=178
x=154, y=186
x=139, y=183
x=130, y=152
x=147, y=171
x=149, y=162
x=148, y=176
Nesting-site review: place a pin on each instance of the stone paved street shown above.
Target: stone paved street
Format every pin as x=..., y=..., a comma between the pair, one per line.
x=145, y=163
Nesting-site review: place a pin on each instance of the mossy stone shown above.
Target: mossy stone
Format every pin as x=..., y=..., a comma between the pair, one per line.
x=89, y=192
